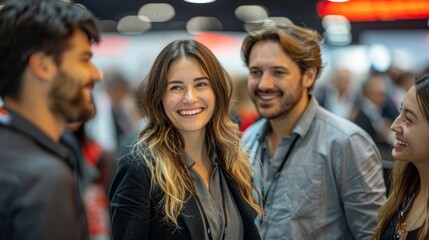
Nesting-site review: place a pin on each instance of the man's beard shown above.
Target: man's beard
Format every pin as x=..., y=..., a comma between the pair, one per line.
x=68, y=100
x=289, y=100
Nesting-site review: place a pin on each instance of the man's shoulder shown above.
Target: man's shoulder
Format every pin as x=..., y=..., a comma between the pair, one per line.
x=20, y=154
x=336, y=123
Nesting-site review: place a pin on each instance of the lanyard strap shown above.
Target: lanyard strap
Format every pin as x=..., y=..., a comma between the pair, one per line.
x=278, y=172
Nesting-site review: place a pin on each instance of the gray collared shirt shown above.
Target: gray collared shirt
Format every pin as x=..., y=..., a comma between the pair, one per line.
x=211, y=200
x=331, y=186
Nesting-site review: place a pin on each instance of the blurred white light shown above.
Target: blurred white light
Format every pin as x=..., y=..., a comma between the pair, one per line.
x=335, y=20
x=157, y=12
x=1, y=6
x=338, y=36
x=201, y=24
x=251, y=13
x=133, y=25
x=199, y=1
x=380, y=57
x=77, y=4
x=281, y=20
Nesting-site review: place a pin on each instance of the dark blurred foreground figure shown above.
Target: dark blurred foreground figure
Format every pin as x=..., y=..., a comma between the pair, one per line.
x=46, y=79
x=186, y=177
x=406, y=212
x=320, y=175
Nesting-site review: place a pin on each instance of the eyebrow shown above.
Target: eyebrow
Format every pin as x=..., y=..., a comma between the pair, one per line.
x=195, y=80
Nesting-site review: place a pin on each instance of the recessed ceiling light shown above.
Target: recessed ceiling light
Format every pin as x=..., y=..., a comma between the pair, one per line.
x=251, y=13
x=199, y=1
x=133, y=25
x=157, y=12
x=203, y=24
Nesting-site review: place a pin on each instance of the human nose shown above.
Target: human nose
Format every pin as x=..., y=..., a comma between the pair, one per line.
x=396, y=126
x=190, y=96
x=266, y=82
x=96, y=74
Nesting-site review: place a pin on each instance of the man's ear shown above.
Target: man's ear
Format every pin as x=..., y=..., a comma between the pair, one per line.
x=42, y=66
x=309, y=76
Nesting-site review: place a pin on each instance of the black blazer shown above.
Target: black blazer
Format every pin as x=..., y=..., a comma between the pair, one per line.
x=135, y=213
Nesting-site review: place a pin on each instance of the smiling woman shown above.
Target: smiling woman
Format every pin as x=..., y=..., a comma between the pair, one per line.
x=406, y=212
x=186, y=166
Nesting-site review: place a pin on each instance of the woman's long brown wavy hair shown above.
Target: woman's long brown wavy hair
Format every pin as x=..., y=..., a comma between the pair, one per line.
x=160, y=145
x=405, y=180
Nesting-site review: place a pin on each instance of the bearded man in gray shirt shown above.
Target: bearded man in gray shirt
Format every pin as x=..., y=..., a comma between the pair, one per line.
x=319, y=175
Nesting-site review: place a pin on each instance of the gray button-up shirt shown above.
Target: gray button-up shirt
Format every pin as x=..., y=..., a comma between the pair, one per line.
x=331, y=186
x=211, y=200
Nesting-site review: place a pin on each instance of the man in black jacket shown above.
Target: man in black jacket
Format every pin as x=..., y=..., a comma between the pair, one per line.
x=46, y=79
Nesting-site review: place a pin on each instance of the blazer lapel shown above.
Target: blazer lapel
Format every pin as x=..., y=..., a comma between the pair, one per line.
x=192, y=218
x=248, y=215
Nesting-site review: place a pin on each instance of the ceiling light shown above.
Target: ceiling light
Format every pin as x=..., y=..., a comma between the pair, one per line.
x=281, y=20
x=203, y=24
x=157, y=12
x=199, y=1
x=133, y=25
x=251, y=13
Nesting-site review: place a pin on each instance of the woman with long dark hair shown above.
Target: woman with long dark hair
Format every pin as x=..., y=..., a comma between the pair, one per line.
x=186, y=177
x=405, y=214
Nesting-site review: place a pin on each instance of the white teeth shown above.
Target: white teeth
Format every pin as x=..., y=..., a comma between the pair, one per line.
x=401, y=143
x=191, y=112
x=268, y=97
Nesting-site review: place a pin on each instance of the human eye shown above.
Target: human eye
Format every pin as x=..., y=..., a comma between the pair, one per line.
x=255, y=72
x=175, y=88
x=201, y=84
x=279, y=73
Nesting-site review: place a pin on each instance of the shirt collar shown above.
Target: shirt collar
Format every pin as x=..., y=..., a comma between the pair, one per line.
x=189, y=162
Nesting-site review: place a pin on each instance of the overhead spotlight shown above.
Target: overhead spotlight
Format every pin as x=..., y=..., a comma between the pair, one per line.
x=203, y=24
x=157, y=12
x=199, y=1
x=133, y=25
x=281, y=20
x=335, y=20
x=251, y=13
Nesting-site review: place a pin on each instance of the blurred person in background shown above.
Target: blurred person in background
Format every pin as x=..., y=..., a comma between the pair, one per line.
x=406, y=212
x=320, y=175
x=126, y=114
x=368, y=112
x=245, y=110
x=337, y=96
x=46, y=82
x=187, y=177
x=402, y=83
